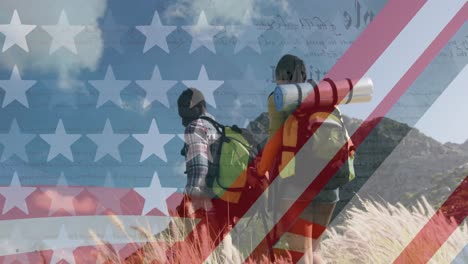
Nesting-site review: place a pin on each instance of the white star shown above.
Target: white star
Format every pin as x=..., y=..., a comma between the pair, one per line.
x=109, y=88
x=61, y=196
x=108, y=142
x=112, y=32
x=246, y=34
x=202, y=33
x=155, y=195
x=63, y=254
x=205, y=85
x=63, y=34
x=60, y=142
x=156, y=34
x=14, y=142
x=15, y=195
x=15, y=33
x=156, y=88
x=63, y=247
x=15, y=88
x=153, y=142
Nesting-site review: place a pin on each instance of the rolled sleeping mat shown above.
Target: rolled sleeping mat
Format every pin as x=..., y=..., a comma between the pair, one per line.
x=288, y=97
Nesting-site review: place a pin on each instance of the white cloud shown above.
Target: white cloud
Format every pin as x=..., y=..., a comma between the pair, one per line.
x=229, y=11
x=65, y=64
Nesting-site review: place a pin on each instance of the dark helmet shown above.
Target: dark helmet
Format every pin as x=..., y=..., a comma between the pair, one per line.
x=191, y=105
x=291, y=68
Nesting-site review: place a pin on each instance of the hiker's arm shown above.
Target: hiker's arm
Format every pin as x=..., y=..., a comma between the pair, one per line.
x=196, y=159
x=271, y=149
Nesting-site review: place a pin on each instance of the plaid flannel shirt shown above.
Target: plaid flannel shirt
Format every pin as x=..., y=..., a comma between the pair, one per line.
x=201, y=143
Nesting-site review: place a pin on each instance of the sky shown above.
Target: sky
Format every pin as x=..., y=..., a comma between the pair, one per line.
x=95, y=85
x=452, y=105
x=429, y=89
x=450, y=108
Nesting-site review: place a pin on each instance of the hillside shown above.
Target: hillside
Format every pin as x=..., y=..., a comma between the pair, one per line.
x=403, y=162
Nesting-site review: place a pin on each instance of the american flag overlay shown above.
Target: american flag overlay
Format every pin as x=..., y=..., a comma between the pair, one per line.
x=90, y=136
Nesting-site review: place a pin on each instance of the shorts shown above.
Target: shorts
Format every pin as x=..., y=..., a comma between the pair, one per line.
x=289, y=191
x=313, y=220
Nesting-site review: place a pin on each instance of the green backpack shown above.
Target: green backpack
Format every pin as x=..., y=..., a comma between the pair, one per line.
x=236, y=152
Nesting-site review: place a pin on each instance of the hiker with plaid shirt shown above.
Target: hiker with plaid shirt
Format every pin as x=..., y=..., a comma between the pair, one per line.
x=201, y=143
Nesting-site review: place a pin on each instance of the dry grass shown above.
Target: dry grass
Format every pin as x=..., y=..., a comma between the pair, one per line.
x=378, y=233
x=156, y=249
x=375, y=234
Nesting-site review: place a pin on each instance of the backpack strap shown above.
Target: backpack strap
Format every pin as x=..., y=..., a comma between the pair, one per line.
x=183, y=151
x=334, y=90
x=221, y=129
x=351, y=90
x=316, y=91
x=345, y=131
x=218, y=126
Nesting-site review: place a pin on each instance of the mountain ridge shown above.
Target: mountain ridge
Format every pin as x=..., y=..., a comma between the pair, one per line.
x=395, y=162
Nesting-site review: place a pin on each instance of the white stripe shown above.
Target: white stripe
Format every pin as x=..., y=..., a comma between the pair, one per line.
x=28, y=235
x=450, y=108
x=405, y=50
x=387, y=71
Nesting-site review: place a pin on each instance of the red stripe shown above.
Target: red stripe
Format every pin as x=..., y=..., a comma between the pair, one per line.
x=437, y=230
x=363, y=131
x=118, y=201
x=301, y=225
x=361, y=55
x=368, y=47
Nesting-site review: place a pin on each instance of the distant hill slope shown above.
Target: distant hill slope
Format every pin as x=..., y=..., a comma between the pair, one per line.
x=403, y=162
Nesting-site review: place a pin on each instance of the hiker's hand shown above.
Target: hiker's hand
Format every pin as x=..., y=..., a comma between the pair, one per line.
x=264, y=178
x=265, y=181
x=267, y=176
x=185, y=208
x=259, y=181
x=191, y=205
x=260, y=175
x=200, y=203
